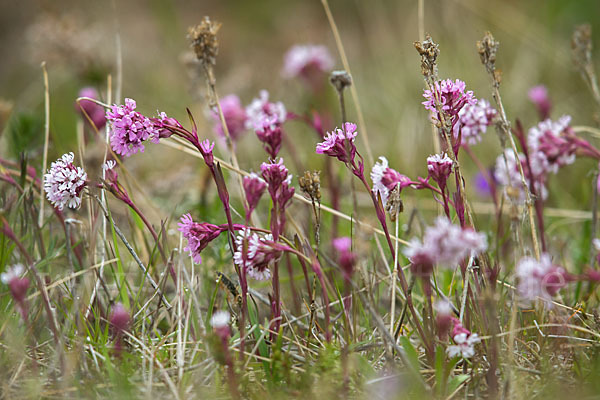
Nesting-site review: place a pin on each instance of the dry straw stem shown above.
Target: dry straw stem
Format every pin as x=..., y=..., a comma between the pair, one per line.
x=46, y=138
x=487, y=49
x=342, y=52
x=581, y=46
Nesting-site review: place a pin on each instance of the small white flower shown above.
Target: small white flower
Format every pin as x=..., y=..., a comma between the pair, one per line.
x=260, y=110
x=108, y=165
x=465, y=345
x=220, y=319
x=64, y=183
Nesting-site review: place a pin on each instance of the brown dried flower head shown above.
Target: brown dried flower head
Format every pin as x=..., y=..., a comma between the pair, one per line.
x=581, y=45
x=310, y=183
x=394, y=205
x=340, y=80
x=204, y=41
x=429, y=52
x=487, y=49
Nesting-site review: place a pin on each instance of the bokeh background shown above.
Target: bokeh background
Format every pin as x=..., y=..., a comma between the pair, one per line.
x=78, y=41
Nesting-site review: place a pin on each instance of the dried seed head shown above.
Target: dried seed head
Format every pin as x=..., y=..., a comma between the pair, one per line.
x=310, y=183
x=204, y=41
x=487, y=49
x=429, y=52
x=581, y=45
x=340, y=80
x=394, y=205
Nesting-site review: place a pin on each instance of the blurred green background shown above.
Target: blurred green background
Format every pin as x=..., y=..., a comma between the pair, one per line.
x=78, y=42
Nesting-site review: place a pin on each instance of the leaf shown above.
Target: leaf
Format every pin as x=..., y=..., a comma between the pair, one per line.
x=456, y=381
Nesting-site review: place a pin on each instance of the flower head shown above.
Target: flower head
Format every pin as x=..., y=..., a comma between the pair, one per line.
x=261, y=109
x=130, y=129
x=207, y=151
x=507, y=174
x=346, y=258
x=17, y=284
x=385, y=179
x=64, y=183
x=340, y=143
x=452, y=98
x=269, y=133
x=539, y=279
x=549, y=138
x=279, y=184
x=439, y=167
x=198, y=235
x=309, y=63
x=220, y=323
x=254, y=187
x=235, y=117
x=256, y=254
x=539, y=96
x=473, y=120
x=119, y=318
x=464, y=345
x=90, y=109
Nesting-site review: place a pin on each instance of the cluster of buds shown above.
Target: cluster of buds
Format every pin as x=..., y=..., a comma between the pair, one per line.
x=310, y=183
x=279, y=184
x=439, y=168
x=111, y=183
x=269, y=133
x=254, y=187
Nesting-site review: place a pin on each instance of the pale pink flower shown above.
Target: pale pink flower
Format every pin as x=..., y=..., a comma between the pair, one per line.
x=301, y=61
x=464, y=345
x=548, y=138
x=452, y=96
x=220, y=323
x=235, y=117
x=130, y=129
x=260, y=109
x=198, y=235
x=539, y=279
x=439, y=167
x=507, y=174
x=256, y=254
x=346, y=258
x=340, y=143
x=64, y=183
x=386, y=179
x=473, y=120
x=539, y=96
x=89, y=109
x=254, y=187
x=17, y=284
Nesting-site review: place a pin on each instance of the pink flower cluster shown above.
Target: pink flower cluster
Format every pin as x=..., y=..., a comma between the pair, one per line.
x=235, y=117
x=254, y=187
x=279, y=184
x=452, y=98
x=261, y=109
x=130, y=129
x=464, y=342
x=444, y=244
x=18, y=286
x=507, y=174
x=64, y=183
x=386, y=179
x=340, y=143
x=473, y=120
x=198, y=235
x=539, y=279
x=255, y=254
x=303, y=61
x=439, y=167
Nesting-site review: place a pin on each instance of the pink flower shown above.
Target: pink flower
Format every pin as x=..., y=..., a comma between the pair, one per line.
x=279, y=183
x=269, y=133
x=452, y=97
x=473, y=120
x=301, y=61
x=254, y=187
x=507, y=174
x=261, y=109
x=18, y=285
x=539, y=96
x=94, y=111
x=346, y=258
x=439, y=167
x=539, y=279
x=385, y=179
x=465, y=345
x=444, y=244
x=119, y=318
x=206, y=147
x=443, y=317
x=130, y=129
x=340, y=143
x=235, y=117
x=256, y=254
x=164, y=124
x=64, y=183
x=551, y=139
x=220, y=323
x=198, y=235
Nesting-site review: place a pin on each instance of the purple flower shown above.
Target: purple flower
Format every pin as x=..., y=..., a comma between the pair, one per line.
x=256, y=254
x=198, y=235
x=64, y=183
x=452, y=98
x=539, y=279
x=482, y=186
x=130, y=129
x=254, y=187
x=269, y=133
x=473, y=120
x=261, y=109
x=340, y=143
x=444, y=244
x=439, y=167
x=94, y=111
x=235, y=117
x=207, y=152
x=551, y=139
x=346, y=258
x=385, y=179
x=539, y=96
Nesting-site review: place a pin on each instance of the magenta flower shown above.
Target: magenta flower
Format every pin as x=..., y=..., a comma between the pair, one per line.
x=452, y=98
x=385, y=179
x=552, y=140
x=279, y=183
x=444, y=244
x=206, y=147
x=340, y=143
x=64, y=183
x=346, y=258
x=18, y=286
x=198, y=235
x=262, y=109
x=119, y=320
x=94, y=111
x=256, y=254
x=235, y=117
x=269, y=133
x=539, y=279
x=130, y=129
x=164, y=125
x=539, y=97
x=439, y=167
x=473, y=120
x=254, y=187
